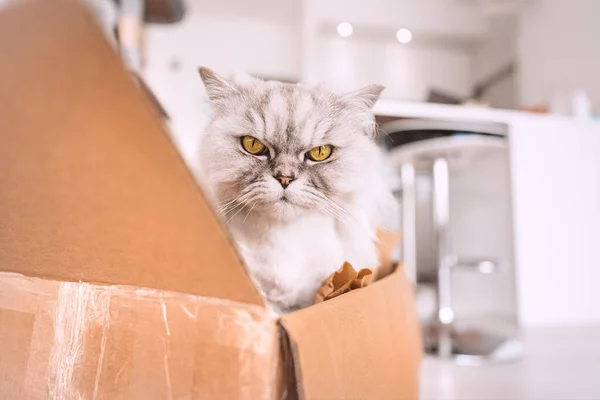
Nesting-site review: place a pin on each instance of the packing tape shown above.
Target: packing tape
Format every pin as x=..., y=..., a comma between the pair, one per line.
x=78, y=306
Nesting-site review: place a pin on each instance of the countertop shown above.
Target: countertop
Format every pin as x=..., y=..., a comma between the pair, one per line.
x=415, y=109
x=561, y=363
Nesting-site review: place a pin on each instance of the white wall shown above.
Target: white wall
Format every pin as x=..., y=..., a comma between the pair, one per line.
x=558, y=50
x=408, y=71
x=438, y=58
x=496, y=50
x=438, y=17
x=224, y=40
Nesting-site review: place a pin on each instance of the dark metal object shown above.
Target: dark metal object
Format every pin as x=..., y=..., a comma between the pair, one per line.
x=401, y=138
x=424, y=151
x=436, y=96
x=162, y=11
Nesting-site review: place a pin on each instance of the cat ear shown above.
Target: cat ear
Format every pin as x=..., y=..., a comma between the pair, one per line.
x=365, y=97
x=216, y=87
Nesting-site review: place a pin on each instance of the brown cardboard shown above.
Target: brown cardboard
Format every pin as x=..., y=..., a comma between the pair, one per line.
x=92, y=187
x=68, y=340
x=365, y=344
x=116, y=279
x=387, y=242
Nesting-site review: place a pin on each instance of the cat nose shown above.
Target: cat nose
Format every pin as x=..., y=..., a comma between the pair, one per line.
x=284, y=180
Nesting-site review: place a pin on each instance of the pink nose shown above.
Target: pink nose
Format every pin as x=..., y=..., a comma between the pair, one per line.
x=284, y=180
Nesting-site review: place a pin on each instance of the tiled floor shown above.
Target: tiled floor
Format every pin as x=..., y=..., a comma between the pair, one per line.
x=560, y=364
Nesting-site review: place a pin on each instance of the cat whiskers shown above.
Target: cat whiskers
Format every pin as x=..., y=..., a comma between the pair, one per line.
x=233, y=204
x=242, y=205
x=330, y=206
x=249, y=211
x=248, y=199
x=227, y=205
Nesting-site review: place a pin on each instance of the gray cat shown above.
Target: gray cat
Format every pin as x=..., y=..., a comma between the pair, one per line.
x=295, y=173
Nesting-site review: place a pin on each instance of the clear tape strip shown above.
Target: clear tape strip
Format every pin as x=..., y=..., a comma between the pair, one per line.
x=78, y=304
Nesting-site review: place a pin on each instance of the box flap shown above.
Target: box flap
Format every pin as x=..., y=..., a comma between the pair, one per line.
x=91, y=187
x=388, y=240
x=362, y=345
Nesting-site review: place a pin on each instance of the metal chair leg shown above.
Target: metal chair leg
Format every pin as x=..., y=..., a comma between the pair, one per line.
x=409, y=223
x=470, y=347
x=441, y=213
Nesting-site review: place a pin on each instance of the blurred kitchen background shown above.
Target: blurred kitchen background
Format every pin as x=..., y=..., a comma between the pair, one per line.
x=489, y=118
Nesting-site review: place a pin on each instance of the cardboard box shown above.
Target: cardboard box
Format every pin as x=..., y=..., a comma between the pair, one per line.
x=118, y=281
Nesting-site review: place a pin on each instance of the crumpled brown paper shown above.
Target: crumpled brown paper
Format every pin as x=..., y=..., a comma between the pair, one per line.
x=346, y=278
x=342, y=281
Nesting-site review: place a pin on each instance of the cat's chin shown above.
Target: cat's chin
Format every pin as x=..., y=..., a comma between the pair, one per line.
x=285, y=210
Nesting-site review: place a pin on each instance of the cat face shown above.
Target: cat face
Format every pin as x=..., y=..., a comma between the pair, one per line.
x=281, y=149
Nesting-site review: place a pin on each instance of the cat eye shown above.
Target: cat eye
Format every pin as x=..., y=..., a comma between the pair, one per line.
x=320, y=153
x=254, y=146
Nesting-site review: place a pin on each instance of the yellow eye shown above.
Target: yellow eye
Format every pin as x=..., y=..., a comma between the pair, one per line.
x=320, y=153
x=253, y=146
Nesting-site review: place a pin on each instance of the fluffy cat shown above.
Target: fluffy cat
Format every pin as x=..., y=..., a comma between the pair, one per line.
x=296, y=175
